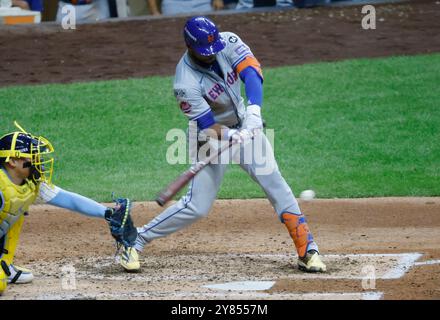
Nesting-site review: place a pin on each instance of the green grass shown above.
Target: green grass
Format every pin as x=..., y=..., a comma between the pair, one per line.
x=359, y=128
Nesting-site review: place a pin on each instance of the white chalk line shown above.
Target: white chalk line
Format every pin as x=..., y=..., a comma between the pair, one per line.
x=242, y=286
x=216, y=296
x=404, y=262
x=372, y=296
x=426, y=263
x=289, y=296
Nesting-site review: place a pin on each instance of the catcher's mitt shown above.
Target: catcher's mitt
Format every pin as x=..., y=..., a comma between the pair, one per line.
x=121, y=224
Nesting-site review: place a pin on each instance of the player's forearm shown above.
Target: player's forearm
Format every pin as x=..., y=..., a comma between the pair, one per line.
x=207, y=124
x=75, y=202
x=220, y=132
x=215, y=131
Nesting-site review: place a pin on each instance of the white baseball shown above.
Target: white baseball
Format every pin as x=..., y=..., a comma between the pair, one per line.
x=307, y=195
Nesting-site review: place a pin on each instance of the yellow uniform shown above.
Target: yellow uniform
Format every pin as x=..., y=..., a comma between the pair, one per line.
x=14, y=202
x=18, y=151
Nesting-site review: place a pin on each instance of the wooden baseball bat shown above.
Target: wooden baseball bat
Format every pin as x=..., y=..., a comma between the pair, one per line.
x=178, y=184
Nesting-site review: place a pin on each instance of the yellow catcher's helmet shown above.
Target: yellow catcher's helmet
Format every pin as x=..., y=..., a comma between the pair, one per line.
x=20, y=144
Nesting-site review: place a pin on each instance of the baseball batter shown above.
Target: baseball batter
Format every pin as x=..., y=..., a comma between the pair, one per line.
x=26, y=166
x=207, y=87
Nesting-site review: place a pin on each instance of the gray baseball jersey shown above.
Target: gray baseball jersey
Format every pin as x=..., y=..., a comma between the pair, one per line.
x=198, y=91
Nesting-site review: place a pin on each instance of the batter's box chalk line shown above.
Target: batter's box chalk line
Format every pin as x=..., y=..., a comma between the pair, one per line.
x=427, y=263
x=217, y=296
x=350, y=266
x=283, y=296
x=388, y=266
x=231, y=267
x=227, y=276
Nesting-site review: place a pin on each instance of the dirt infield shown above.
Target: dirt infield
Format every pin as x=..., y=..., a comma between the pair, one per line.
x=118, y=50
x=241, y=241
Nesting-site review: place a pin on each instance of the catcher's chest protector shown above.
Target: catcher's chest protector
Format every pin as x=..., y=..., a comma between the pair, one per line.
x=15, y=200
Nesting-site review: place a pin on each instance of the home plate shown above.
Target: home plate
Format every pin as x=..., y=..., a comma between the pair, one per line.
x=242, y=286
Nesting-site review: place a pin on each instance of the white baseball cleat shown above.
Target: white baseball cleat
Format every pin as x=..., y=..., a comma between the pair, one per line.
x=311, y=262
x=19, y=275
x=129, y=259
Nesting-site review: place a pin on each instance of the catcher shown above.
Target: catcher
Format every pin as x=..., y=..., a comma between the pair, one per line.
x=26, y=167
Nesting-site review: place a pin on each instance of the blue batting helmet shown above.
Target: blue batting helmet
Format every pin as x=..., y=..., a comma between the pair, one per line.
x=201, y=34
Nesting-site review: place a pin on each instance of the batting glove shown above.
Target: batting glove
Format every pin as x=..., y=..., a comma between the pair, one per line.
x=252, y=120
x=238, y=136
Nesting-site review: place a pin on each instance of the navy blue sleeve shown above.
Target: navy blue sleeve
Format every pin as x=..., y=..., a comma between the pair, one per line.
x=206, y=121
x=35, y=5
x=253, y=84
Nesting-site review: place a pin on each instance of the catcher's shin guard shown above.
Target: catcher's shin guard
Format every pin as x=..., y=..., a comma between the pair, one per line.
x=3, y=265
x=3, y=277
x=299, y=231
x=3, y=281
x=10, y=242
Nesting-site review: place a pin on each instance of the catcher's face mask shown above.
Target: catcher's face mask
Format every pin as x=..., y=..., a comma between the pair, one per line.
x=39, y=150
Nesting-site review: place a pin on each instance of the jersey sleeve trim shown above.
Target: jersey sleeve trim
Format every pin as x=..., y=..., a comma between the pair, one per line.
x=234, y=65
x=249, y=61
x=201, y=114
x=47, y=193
x=206, y=121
